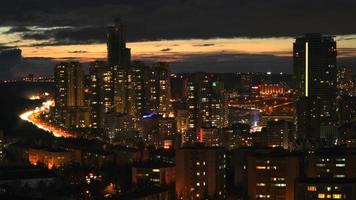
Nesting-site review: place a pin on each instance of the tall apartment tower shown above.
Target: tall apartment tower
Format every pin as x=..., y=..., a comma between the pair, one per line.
x=118, y=53
x=158, y=89
x=69, y=85
x=70, y=110
x=120, y=88
x=315, y=66
x=314, y=57
x=205, y=102
x=272, y=175
x=136, y=98
x=101, y=92
x=200, y=173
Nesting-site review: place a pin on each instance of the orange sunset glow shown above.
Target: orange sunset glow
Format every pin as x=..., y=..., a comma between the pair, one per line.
x=171, y=50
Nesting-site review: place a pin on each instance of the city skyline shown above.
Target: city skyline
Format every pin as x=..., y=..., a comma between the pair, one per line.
x=234, y=42
x=177, y=100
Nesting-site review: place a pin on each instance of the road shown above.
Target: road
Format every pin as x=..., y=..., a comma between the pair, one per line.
x=33, y=116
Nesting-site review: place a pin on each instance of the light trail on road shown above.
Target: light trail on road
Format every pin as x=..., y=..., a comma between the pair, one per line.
x=33, y=116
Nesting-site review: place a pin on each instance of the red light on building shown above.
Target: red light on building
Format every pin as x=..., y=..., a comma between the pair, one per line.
x=201, y=135
x=167, y=144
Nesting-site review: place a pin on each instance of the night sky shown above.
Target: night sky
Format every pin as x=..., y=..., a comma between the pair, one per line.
x=195, y=35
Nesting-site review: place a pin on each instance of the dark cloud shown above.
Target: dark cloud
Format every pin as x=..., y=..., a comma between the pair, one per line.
x=78, y=51
x=224, y=62
x=68, y=35
x=35, y=36
x=38, y=66
x=154, y=20
x=166, y=49
x=203, y=45
x=85, y=21
x=18, y=29
x=9, y=57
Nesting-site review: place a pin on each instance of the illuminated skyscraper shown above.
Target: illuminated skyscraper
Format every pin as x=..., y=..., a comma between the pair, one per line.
x=315, y=65
x=69, y=85
x=315, y=78
x=101, y=92
x=70, y=110
x=159, y=89
x=205, y=102
x=120, y=88
x=136, y=84
x=118, y=53
x=315, y=70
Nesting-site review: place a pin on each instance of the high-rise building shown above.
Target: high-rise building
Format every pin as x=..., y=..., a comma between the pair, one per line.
x=325, y=188
x=76, y=117
x=154, y=172
x=210, y=137
x=331, y=163
x=120, y=89
x=308, y=121
x=272, y=175
x=329, y=174
x=239, y=163
x=159, y=89
x=237, y=136
x=205, y=102
x=156, y=129
x=69, y=85
x=118, y=53
x=200, y=173
x=69, y=96
x=314, y=57
x=181, y=117
x=179, y=86
x=136, y=85
x=280, y=133
x=101, y=92
x=315, y=65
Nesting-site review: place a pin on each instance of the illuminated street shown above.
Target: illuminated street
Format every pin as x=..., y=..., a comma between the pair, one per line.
x=33, y=116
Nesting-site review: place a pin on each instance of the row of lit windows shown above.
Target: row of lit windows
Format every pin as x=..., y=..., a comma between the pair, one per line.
x=329, y=196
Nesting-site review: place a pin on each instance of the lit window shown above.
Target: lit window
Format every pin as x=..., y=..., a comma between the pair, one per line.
x=311, y=188
x=321, y=196
x=337, y=196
